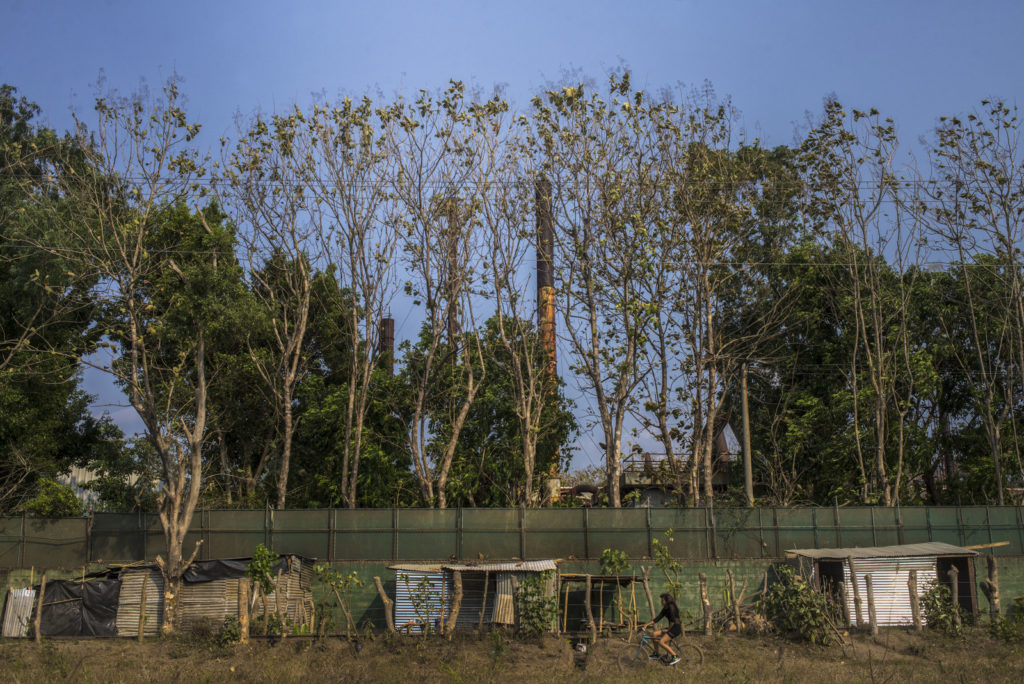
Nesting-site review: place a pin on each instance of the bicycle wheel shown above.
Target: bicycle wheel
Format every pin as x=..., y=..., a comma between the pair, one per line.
x=636, y=655
x=690, y=654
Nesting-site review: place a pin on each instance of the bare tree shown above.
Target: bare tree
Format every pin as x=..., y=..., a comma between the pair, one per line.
x=266, y=181
x=431, y=141
x=140, y=163
x=978, y=198
x=353, y=216
x=599, y=182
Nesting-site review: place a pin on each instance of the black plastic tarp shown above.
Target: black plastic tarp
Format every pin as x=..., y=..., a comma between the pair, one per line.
x=74, y=608
x=225, y=568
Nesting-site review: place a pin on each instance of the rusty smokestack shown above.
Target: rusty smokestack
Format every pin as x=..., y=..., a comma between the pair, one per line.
x=386, y=343
x=546, y=274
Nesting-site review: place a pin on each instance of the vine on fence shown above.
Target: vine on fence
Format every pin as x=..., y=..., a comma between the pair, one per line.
x=537, y=606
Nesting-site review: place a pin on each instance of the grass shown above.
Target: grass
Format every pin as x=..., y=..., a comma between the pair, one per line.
x=896, y=656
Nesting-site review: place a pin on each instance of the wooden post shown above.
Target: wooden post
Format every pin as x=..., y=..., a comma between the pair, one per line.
x=993, y=588
x=737, y=603
x=389, y=615
x=734, y=600
x=142, y=607
x=590, y=613
x=647, y=589
x=483, y=604
x=915, y=600
x=600, y=609
x=844, y=597
x=705, y=603
x=243, y=609
x=565, y=609
x=857, y=607
x=39, y=608
x=277, y=605
x=453, y=617
x=348, y=616
x=871, y=605
x=954, y=577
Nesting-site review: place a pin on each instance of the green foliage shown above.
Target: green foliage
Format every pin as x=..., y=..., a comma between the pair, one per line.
x=537, y=606
x=940, y=613
x=260, y=568
x=795, y=609
x=664, y=561
x=1010, y=629
x=614, y=562
x=230, y=632
x=54, y=500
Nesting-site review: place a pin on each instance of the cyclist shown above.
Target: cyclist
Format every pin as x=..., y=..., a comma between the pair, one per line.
x=662, y=637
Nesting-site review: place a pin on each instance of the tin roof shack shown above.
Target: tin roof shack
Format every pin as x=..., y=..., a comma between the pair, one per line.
x=424, y=593
x=75, y=608
x=889, y=567
x=210, y=593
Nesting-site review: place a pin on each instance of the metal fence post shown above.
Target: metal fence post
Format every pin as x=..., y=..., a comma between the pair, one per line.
x=394, y=534
x=24, y=539
x=586, y=533
x=839, y=526
x=331, y=512
x=522, y=532
x=650, y=534
x=458, y=533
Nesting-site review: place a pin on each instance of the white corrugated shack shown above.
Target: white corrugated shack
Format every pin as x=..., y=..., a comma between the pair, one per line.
x=889, y=567
x=424, y=593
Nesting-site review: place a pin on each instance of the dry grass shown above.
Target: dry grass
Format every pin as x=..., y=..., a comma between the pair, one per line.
x=897, y=656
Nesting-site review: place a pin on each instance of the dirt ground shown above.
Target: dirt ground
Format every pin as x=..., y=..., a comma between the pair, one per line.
x=896, y=656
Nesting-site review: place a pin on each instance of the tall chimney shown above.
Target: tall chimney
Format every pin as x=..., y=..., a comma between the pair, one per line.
x=546, y=274
x=386, y=343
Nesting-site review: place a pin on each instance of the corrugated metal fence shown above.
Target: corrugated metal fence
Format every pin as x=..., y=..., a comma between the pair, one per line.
x=410, y=534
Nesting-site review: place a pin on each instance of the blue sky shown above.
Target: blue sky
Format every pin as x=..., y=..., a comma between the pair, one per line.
x=914, y=61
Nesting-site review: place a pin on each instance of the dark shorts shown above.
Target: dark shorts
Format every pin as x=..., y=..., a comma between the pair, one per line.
x=675, y=630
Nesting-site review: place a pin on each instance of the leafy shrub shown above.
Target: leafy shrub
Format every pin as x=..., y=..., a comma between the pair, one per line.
x=1010, y=629
x=261, y=567
x=939, y=611
x=230, y=632
x=614, y=562
x=537, y=609
x=797, y=610
x=54, y=500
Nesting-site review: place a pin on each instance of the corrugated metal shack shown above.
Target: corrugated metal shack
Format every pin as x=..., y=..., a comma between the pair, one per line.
x=889, y=567
x=424, y=593
x=18, y=611
x=108, y=603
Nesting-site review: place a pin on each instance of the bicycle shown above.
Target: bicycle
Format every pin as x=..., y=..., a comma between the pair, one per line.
x=640, y=654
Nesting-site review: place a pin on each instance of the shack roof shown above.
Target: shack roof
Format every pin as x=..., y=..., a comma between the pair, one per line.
x=516, y=566
x=900, y=551
x=513, y=566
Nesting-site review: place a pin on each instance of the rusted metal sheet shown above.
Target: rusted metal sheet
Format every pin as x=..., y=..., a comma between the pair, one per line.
x=130, y=600
x=18, y=611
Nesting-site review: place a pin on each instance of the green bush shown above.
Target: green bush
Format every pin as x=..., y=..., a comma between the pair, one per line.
x=939, y=611
x=537, y=610
x=1010, y=629
x=797, y=610
x=54, y=500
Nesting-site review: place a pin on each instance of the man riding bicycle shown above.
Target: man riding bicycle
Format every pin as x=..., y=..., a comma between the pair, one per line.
x=662, y=637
